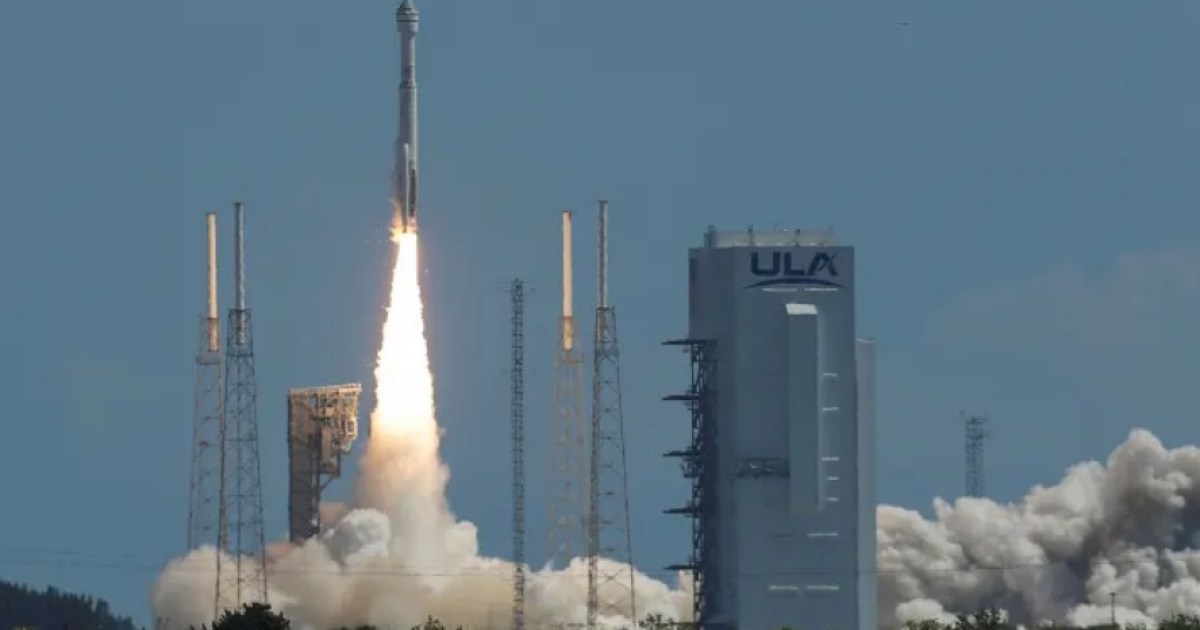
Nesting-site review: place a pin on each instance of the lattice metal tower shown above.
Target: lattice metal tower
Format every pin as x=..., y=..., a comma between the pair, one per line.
x=204, y=500
x=699, y=467
x=976, y=435
x=567, y=504
x=517, y=407
x=611, y=589
x=241, y=480
x=322, y=427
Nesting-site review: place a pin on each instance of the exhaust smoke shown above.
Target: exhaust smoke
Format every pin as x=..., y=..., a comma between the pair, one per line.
x=1128, y=529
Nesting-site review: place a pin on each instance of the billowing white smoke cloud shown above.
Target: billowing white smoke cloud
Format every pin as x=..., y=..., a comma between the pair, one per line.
x=1129, y=528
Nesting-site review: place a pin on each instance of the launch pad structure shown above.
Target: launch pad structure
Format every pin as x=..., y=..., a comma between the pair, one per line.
x=322, y=427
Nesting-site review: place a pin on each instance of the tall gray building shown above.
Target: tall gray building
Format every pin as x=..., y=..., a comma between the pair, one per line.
x=783, y=453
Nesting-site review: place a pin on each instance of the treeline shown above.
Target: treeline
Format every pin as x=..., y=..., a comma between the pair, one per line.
x=261, y=617
x=23, y=607
x=993, y=619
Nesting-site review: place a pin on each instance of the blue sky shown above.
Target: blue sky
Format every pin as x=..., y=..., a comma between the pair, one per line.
x=1019, y=179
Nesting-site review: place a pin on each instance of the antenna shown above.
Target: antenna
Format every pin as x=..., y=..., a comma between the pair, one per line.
x=239, y=256
x=602, y=283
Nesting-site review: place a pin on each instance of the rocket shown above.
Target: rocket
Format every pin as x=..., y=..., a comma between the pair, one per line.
x=404, y=179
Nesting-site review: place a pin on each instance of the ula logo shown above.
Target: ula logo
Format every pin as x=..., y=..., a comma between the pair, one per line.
x=781, y=268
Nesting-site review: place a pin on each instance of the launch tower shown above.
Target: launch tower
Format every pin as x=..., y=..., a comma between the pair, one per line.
x=322, y=427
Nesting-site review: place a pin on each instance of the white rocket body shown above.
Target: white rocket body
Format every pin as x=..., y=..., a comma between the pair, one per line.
x=404, y=193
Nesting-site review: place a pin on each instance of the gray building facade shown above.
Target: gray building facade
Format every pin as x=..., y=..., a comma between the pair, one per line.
x=787, y=508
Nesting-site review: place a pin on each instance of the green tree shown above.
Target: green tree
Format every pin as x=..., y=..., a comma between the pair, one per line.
x=252, y=617
x=658, y=622
x=986, y=619
x=432, y=624
x=926, y=624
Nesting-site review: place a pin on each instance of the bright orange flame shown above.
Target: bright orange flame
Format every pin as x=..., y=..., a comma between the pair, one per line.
x=403, y=381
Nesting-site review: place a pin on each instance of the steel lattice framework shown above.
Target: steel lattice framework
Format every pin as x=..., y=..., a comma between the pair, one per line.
x=517, y=409
x=242, y=534
x=976, y=434
x=567, y=504
x=699, y=467
x=208, y=421
x=610, y=589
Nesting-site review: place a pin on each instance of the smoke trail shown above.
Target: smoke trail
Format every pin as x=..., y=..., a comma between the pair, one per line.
x=399, y=554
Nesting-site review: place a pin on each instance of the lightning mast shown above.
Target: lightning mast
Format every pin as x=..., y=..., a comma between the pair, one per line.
x=242, y=534
x=976, y=434
x=517, y=400
x=565, y=529
x=611, y=591
x=208, y=420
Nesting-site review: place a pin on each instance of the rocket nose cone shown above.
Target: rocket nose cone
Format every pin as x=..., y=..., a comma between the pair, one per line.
x=406, y=15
